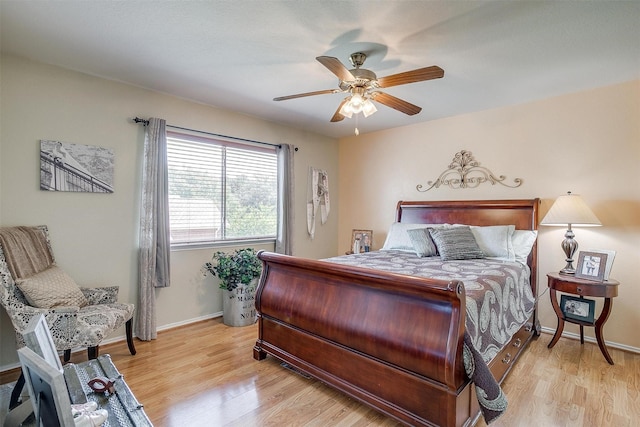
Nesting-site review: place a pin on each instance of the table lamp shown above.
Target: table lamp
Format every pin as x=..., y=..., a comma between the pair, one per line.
x=570, y=210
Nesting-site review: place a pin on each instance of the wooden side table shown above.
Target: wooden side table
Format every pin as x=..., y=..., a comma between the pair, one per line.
x=572, y=285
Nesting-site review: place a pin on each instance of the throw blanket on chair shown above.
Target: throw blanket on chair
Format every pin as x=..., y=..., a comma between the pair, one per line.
x=26, y=251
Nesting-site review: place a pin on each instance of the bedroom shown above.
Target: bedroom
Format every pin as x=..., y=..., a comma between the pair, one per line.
x=585, y=141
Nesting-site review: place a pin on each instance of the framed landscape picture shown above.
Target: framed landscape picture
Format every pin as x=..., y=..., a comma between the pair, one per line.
x=75, y=167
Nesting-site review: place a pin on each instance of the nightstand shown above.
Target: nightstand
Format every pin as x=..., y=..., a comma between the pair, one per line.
x=584, y=288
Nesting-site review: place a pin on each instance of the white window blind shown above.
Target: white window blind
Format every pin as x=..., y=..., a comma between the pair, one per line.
x=220, y=190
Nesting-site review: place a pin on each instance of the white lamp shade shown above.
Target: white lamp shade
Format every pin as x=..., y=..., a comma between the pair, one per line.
x=356, y=104
x=570, y=209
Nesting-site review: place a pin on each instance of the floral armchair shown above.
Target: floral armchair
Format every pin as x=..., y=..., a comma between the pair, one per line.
x=31, y=284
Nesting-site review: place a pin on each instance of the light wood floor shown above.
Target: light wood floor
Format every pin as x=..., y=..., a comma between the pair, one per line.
x=204, y=374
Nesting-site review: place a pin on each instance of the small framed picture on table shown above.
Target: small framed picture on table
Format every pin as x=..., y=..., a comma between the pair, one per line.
x=577, y=308
x=591, y=266
x=361, y=241
x=611, y=254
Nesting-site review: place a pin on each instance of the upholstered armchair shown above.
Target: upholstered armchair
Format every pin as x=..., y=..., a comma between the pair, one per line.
x=31, y=283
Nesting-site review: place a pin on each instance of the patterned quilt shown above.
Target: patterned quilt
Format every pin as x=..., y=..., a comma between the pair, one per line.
x=499, y=298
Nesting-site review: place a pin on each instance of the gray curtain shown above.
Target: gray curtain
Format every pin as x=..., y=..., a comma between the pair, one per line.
x=154, y=227
x=284, y=238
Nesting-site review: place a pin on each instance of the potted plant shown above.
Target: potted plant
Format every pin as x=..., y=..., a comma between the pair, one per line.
x=238, y=272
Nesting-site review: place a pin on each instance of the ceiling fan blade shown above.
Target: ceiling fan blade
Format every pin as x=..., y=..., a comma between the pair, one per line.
x=419, y=75
x=395, y=103
x=335, y=66
x=301, y=95
x=337, y=117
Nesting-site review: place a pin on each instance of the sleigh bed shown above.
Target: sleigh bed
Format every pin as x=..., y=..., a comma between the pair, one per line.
x=398, y=342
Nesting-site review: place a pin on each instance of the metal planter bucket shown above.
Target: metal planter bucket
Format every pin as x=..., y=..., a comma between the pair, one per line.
x=239, y=305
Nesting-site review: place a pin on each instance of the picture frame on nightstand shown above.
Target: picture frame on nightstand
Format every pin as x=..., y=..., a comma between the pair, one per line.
x=575, y=308
x=591, y=265
x=611, y=254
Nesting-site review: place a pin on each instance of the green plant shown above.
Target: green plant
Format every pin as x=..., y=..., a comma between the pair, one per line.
x=240, y=266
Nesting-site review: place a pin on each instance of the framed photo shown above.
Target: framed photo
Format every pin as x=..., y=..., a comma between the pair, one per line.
x=591, y=265
x=47, y=390
x=577, y=308
x=38, y=338
x=75, y=167
x=610, y=257
x=361, y=241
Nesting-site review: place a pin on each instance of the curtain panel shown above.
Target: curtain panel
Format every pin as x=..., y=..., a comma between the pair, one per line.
x=284, y=237
x=154, y=227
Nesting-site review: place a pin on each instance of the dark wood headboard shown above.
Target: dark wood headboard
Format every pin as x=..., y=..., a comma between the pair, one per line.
x=521, y=213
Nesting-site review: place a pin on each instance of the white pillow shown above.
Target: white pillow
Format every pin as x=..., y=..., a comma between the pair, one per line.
x=522, y=241
x=398, y=239
x=495, y=241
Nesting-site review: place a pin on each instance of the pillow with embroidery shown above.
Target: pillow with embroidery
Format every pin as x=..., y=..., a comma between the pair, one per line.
x=52, y=288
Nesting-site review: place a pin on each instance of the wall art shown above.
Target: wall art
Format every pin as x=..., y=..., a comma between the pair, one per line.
x=75, y=167
x=465, y=172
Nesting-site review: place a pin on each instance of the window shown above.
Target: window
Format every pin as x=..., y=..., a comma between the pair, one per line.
x=220, y=190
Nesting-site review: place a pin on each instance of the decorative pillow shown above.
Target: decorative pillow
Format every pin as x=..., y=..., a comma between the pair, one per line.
x=523, y=241
x=495, y=241
x=52, y=288
x=456, y=243
x=422, y=242
x=398, y=238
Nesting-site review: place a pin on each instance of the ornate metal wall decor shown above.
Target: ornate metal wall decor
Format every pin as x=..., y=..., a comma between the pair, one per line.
x=465, y=172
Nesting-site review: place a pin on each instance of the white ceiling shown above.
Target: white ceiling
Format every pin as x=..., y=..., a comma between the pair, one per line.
x=241, y=54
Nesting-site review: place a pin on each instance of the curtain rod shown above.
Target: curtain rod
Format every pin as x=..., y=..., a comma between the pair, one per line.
x=146, y=122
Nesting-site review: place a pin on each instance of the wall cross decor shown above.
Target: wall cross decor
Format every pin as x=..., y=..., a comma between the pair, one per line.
x=465, y=172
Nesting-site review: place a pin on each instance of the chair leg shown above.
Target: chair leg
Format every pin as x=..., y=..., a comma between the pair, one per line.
x=93, y=352
x=17, y=390
x=129, y=329
x=67, y=355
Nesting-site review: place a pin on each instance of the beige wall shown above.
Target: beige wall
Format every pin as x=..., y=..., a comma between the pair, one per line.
x=94, y=235
x=588, y=142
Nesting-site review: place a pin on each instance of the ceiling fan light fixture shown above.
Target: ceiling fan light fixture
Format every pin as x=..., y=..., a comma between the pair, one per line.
x=368, y=108
x=346, y=109
x=356, y=104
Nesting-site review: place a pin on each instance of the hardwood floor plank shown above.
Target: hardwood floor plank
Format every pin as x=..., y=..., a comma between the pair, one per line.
x=204, y=374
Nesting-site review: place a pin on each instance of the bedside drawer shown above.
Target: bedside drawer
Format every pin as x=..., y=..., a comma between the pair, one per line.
x=502, y=363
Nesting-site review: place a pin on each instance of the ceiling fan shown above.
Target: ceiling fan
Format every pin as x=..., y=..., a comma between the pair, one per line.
x=362, y=86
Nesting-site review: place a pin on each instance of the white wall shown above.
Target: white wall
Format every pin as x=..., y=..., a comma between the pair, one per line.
x=94, y=235
x=587, y=142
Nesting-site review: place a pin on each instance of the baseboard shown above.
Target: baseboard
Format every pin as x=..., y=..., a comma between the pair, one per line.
x=124, y=338
x=189, y=321
x=574, y=336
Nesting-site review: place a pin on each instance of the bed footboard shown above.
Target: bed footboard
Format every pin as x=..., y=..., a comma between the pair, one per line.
x=393, y=342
